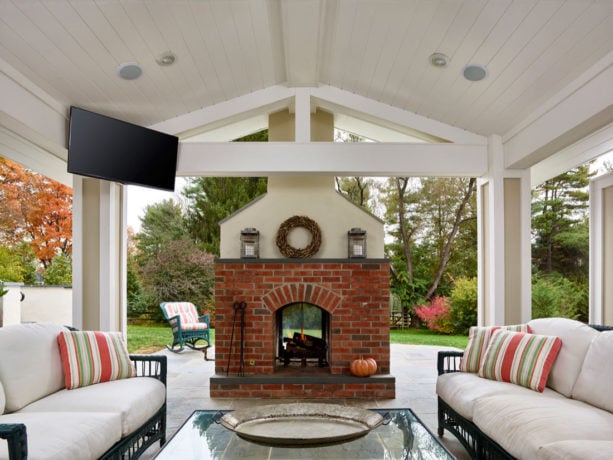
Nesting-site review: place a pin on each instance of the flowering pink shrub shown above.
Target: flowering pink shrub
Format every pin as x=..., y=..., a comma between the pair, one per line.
x=437, y=315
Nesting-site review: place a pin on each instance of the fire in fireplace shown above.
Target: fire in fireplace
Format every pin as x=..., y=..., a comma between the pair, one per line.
x=302, y=335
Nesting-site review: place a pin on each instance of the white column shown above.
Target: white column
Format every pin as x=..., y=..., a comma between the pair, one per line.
x=303, y=115
x=99, y=255
x=601, y=250
x=503, y=200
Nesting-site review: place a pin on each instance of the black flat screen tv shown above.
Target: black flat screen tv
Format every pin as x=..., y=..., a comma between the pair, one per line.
x=118, y=151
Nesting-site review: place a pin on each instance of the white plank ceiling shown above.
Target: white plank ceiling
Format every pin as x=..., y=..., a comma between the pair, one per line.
x=378, y=49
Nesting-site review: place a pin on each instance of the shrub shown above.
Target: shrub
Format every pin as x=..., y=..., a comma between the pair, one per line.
x=464, y=304
x=554, y=295
x=437, y=315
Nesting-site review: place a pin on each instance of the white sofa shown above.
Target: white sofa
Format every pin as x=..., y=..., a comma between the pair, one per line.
x=571, y=419
x=41, y=419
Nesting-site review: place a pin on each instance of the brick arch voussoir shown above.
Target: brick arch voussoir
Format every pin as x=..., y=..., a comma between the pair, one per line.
x=301, y=292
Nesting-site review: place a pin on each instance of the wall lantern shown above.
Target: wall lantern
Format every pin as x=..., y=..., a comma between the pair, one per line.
x=250, y=243
x=356, y=240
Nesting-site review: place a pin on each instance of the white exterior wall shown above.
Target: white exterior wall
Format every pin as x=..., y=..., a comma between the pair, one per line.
x=40, y=304
x=314, y=197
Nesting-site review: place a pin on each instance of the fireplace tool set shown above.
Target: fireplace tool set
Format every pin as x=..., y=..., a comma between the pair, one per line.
x=239, y=310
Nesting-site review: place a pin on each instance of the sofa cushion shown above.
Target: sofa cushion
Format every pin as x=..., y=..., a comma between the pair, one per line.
x=30, y=363
x=523, y=359
x=478, y=340
x=576, y=449
x=66, y=435
x=136, y=399
x=594, y=383
x=2, y=399
x=461, y=390
x=522, y=425
x=576, y=338
x=90, y=357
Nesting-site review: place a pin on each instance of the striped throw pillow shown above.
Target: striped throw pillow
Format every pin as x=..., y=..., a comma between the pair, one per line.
x=90, y=357
x=478, y=340
x=523, y=359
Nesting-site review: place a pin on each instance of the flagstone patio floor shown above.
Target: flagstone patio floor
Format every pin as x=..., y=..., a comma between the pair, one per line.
x=414, y=367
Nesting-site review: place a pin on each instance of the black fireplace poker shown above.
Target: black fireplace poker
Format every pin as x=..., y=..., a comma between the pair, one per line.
x=239, y=307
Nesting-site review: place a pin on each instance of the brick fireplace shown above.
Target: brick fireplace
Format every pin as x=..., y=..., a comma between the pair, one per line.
x=353, y=293
x=338, y=301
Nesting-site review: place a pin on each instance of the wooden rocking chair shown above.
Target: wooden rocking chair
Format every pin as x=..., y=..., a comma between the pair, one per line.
x=187, y=326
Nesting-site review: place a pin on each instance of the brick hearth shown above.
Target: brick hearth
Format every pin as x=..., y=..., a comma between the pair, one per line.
x=354, y=293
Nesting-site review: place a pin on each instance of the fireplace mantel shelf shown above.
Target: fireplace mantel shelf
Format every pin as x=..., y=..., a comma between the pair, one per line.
x=302, y=261
x=301, y=379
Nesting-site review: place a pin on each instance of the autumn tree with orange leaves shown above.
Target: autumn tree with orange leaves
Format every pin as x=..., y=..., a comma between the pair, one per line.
x=35, y=209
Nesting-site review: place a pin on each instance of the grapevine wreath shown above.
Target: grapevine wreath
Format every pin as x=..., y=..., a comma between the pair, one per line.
x=294, y=253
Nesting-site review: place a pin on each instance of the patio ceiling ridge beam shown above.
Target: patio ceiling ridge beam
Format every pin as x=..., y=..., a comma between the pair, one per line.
x=331, y=158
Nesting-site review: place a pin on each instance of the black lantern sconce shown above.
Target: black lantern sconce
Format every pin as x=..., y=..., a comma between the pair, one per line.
x=250, y=243
x=356, y=243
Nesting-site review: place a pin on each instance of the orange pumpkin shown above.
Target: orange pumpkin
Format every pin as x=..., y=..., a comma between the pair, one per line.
x=373, y=365
x=363, y=367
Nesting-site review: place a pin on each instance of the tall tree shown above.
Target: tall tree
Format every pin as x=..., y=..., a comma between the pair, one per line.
x=428, y=218
x=161, y=224
x=35, y=209
x=357, y=190
x=211, y=199
x=560, y=223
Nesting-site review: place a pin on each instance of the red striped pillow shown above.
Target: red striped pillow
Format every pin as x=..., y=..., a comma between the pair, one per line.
x=523, y=359
x=90, y=357
x=478, y=340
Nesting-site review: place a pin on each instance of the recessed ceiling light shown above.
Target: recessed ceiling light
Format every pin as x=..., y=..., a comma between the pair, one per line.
x=129, y=71
x=166, y=58
x=439, y=60
x=474, y=72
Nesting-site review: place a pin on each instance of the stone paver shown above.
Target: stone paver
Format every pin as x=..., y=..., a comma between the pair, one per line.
x=414, y=367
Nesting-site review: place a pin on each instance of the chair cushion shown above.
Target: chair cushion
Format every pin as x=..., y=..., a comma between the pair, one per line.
x=522, y=425
x=523, y=359
x=478, y=340
x=576, y=338
x=594, y=383
x=90, y=357
x=66, y=435
x=30, y=363
x=136, y=400
x=186, y=311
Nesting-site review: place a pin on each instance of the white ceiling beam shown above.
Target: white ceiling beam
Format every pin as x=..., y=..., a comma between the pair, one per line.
x=331, y=158
x=582, y=108
x=18, y=149
x=332, y=98
x=267, y=100
x=589, y=148
x=30, y=111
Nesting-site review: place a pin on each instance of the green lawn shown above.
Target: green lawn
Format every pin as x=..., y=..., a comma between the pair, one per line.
x=427, y=337
x=148, y=339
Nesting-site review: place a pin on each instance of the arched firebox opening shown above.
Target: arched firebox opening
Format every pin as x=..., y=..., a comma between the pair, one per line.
x=302, y=337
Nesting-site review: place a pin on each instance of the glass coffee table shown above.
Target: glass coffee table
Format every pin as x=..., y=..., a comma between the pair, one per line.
x=202, y=437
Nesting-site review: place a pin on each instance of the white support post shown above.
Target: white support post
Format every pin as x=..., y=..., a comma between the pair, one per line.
x=503, y=242
x=99, y=257
x=303, y=115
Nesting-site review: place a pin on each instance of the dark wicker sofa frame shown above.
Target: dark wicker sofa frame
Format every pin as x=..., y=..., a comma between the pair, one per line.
x=128, y=448
x=478, y=444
